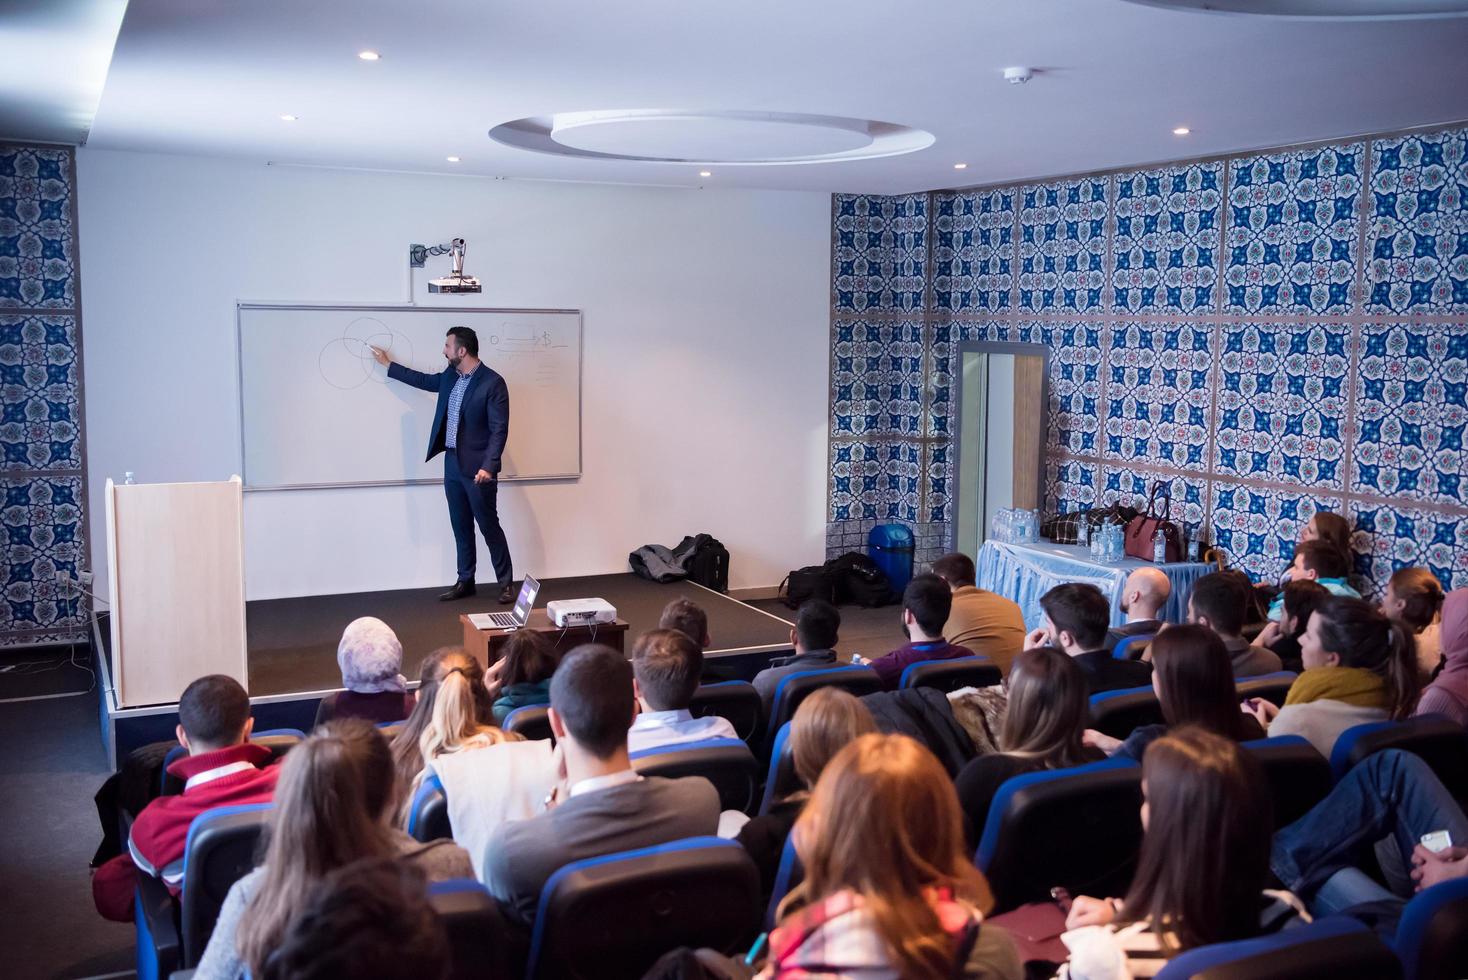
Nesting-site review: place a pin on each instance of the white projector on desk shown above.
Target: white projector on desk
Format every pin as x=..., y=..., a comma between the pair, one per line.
x=581, y=612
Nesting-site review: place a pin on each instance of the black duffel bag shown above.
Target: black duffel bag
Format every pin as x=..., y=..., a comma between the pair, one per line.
x=810, y=582
x=858, y=578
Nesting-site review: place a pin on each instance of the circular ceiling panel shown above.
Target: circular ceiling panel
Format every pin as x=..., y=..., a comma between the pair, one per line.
x=1336, y=9
x=711, y=137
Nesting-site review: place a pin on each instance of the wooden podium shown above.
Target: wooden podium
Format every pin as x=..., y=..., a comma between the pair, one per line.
x=175, y=561
x=485, y=644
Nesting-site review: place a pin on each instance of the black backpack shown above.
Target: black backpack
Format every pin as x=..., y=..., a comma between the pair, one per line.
x=709, y=564
x=810, y=582
x=857, y=578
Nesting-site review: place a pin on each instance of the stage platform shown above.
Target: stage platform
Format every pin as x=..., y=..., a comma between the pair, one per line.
x=292, y=643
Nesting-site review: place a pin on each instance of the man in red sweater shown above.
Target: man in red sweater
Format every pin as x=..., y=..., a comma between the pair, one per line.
x=221, y=769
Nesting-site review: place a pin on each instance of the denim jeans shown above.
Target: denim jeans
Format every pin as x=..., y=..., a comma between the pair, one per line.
x=1391, y=794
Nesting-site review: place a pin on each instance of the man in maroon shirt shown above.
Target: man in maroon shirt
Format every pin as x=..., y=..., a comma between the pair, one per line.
x=926, y=603
x=221, y=769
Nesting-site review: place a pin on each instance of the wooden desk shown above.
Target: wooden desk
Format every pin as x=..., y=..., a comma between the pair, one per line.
x=486, y=644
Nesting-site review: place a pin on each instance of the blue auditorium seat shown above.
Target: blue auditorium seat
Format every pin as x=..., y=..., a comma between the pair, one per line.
x=1432, y=936
x=531, y=721
x=1273, y=688
x=1440, y=742
x=1117, y=713
x=736, y=701
x=787, y=876
x=950, y=675
x=795, y=688
x=1125, y=646
x=780, y=780
x=1298, y=776
x=1338, y=948
x=726, y=762
x=479, y=938
x=428, y=813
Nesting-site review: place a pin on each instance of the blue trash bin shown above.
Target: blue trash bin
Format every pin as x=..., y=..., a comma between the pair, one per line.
x=891, y=547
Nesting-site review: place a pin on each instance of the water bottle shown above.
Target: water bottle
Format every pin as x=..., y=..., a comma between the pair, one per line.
x=1159, y=547
x=1193, y=545
x=127, y=478
x=1083, y=533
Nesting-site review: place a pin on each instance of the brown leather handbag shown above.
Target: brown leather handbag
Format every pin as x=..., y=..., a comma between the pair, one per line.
x=1144, y=527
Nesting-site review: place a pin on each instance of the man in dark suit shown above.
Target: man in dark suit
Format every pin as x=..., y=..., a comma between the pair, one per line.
x=1076, y=617
x=470, y=426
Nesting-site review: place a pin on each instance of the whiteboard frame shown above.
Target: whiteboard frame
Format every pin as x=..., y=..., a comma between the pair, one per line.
x=239, y=361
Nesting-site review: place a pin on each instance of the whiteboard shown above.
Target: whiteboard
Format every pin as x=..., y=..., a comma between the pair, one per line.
x=316, y=410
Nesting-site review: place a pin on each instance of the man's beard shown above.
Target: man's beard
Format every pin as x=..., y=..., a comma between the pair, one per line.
x=454, y=362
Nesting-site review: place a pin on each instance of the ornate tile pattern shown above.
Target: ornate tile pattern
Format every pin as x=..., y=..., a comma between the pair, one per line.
x=1157, y=394
x=1062, y=245
x=875, y=479
x=1070, y=485
x=1292, y=231
x=1257, y=529
x=880, y=252
x=1132, y=489
x=1411, y=411
x=37, y=244
x=938, y=472
x=44, y=531
x=1417, y=230
x=1389, y=538
x=40, y=411
x=876, y=377
x=1075, y=387
x=1282, y=404
x=1164, y=250
x=973, y=250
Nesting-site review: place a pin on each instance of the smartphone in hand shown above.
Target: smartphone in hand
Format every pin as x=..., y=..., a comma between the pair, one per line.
x=1437, y=841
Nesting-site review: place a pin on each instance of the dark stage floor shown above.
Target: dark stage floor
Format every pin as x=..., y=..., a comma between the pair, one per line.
x=293, y=641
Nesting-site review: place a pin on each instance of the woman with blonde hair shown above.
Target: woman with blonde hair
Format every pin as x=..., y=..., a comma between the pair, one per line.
x=407, y=755
x=909, y=905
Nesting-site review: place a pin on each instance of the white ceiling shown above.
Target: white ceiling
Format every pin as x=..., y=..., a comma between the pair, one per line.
x=214, y=76
x=53, y=61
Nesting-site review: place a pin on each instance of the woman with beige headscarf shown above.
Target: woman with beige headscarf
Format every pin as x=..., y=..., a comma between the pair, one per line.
x=371, y=662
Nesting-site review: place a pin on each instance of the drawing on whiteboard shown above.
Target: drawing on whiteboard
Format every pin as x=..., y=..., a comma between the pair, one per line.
x=346, y=362
x=534, y=342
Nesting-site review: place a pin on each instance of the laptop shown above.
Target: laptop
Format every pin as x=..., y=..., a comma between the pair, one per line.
x=523, y=604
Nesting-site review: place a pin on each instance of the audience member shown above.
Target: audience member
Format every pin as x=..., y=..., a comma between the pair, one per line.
x=688, y=618
x=1219, y=601
x=524, y=672
x=331, y=808
x=911, y=907
x=1448, y=692
x=406, y=754
x=1415, y=596
x=981, y=621
x=371, y=662
x=1392, y=797
x=1194, y=681
x=221, y=769
x=1359, y=667
x=369, y=921
x=1142, y=600
x=489, y=775
x=1203, y=864
x=1048, y=709
x=666, y=666
x=1298, y=601
x=1075, y=621
x=1331, y=529
x=814, y=640
x=608, y=807
x=1319, y=562
x=826, y=722
x=926, y=603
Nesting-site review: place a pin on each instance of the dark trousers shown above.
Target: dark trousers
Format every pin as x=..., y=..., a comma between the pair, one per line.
x=471, y=502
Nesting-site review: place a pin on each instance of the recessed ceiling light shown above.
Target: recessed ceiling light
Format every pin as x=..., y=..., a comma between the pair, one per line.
x=1181, y=131
x=705, y=173
x=287, y=117
x=452, y=159
x=369, y=55
x=960, y=166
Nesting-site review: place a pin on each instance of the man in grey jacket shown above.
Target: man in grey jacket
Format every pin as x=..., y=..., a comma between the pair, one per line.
x=814, y=640
x=609, y=808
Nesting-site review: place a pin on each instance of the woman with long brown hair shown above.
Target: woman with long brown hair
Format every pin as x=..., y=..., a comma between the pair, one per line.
x=407, y=754
x=332, y=806
x=1415, y=596
x=1204, y=859
x=1043, y=728
x=889, y=888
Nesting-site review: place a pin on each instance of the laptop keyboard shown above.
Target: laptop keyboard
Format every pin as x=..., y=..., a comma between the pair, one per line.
x=503, y=620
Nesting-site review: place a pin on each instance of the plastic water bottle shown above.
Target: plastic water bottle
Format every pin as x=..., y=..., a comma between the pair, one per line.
x=1193, y=546
x=1083, y=533
x=1159, y=547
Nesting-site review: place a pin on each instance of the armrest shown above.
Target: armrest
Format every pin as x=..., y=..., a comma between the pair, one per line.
x=156, y=922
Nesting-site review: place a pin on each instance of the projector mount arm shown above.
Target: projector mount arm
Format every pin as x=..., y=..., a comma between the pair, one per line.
x=418, y=254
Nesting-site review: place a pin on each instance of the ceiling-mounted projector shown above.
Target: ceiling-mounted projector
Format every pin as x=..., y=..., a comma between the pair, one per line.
x=455, y=281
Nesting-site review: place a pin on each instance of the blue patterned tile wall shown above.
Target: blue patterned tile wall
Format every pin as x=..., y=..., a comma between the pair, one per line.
x=877, y=377
x=880, y=253
x=1271, y=334
x=41, y=458
x=875, y=479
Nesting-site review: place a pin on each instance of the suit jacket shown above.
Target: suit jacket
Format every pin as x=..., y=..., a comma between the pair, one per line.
x=522, y=855
x=484, y=417
x=1106, y=674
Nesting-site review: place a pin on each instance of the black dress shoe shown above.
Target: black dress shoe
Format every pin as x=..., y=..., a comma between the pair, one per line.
x=507, y=594
x=461, y=590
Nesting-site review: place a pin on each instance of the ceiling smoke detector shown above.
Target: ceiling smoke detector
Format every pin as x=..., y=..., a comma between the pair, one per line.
x=1018, y=75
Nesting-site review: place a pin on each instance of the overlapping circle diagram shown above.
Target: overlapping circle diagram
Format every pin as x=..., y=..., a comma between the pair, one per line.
x=346, y=362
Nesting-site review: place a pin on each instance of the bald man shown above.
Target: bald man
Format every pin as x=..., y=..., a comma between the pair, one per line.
x=1146, y=592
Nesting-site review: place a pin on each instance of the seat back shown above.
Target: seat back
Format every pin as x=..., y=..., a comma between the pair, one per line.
x=1273, y=688
x=1298, y=776
x=221, y=848
x=1079, y=828
x=795, y=688
x=1336, y=947
x=726, y=762
x=780, y=780
x=1117, y=713
x=531, y=721
x=1432, y=936
x=278, y=740
x=428, y=813
x=1127, y=646
x=950, y=675
x=612, y=917
x=788, y=874
x=479, y=938
x=736, y=701
x=1441, y=743
x=391, y=729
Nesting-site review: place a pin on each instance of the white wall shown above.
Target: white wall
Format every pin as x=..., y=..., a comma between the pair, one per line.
x=705, y=383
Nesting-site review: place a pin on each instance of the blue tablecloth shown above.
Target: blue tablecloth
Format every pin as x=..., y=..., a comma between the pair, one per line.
x=1024, y=572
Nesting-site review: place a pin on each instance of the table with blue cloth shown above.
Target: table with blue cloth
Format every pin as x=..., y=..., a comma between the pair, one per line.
x=1025, y=572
